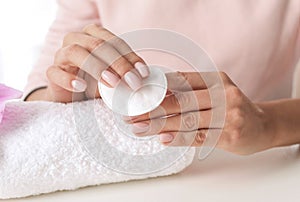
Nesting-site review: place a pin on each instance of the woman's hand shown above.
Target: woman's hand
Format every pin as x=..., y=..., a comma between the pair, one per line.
x=185, y=117
x=88, y=57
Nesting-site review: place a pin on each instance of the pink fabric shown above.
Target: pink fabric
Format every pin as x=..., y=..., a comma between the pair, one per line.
x=7, y=93
x=257, y=43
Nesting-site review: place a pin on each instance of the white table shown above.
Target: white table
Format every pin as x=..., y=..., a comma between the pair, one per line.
x=269, y=176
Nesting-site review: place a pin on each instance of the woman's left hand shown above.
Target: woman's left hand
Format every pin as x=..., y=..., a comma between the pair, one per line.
x=185, y=117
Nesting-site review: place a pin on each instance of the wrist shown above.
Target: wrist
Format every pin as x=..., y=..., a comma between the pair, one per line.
x=270, y=125
x=283, y=121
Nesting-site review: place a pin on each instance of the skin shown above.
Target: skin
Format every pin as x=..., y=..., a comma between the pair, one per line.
x=84, y=56
x=248, y=127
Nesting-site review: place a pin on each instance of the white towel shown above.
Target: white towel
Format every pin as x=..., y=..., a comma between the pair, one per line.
x=47, y=147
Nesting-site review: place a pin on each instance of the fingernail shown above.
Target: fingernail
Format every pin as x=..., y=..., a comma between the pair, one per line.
x=133, y=81
x=139, y=127
x=142, y=69
x=110, y=78
x=78, y=85
x=166, y=137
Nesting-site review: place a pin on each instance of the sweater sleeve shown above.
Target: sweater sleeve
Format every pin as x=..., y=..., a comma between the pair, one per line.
x=71, y=16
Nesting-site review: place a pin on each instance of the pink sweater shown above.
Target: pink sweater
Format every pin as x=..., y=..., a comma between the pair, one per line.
x=256, y=42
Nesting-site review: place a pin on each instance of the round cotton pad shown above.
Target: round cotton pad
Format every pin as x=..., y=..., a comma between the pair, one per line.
x=123, y=100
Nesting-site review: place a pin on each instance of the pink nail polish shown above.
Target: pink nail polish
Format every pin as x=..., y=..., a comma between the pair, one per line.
x=139, y=127
x=110, y=78
x=79, y=86
x=166, y=137
x=142, y=69
x=133, y=81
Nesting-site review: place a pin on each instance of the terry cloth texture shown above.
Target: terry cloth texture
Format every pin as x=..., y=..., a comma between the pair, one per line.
x=47, y=147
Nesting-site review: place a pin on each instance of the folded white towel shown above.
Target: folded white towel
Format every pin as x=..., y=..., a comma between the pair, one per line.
x=46, y=147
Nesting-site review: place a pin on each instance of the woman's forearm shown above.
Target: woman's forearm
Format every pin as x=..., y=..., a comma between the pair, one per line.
x=285, y=120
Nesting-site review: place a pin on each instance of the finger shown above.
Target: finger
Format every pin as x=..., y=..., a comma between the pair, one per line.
x=195, y=138
x=92, y=87
x=121, y=46
x=78, y=56
x=66, y=80
x=91, y=43
x=119, y=66
x=186, y=81
x=99, y=48
x=178, y=103
x=183, y=122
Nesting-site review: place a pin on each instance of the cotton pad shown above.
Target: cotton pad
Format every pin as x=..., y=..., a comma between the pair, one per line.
x=123, y=100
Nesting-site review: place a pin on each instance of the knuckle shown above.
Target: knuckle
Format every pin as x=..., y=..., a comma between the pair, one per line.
x=173, y=100
x=120, y=65
x=236, y=113
x=236, y=117
x=200, y=137
x=94, y=44
x=233, y=93
x=232, y=139
x=71, y=50
x=183, y=99
x=183, y=76
x=118, y=42
x=189, y=121
x=132, y=57
x=179, y=80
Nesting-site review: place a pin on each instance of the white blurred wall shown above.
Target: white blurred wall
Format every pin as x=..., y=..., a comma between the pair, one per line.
x=24, y=24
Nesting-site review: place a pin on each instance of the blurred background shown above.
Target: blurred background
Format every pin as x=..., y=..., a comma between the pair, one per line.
x=24, y=25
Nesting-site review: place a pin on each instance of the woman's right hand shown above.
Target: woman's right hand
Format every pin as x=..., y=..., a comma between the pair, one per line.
x=88, y=57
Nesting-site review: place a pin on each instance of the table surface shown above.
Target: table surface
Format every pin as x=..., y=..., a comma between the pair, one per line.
x=273, y=175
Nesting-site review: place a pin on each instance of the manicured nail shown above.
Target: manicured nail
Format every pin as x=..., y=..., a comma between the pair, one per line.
x=139, y=127
x=133, y=81
x=142, y=69
x=166, y=137
x=110, y=78
x=78, y=85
